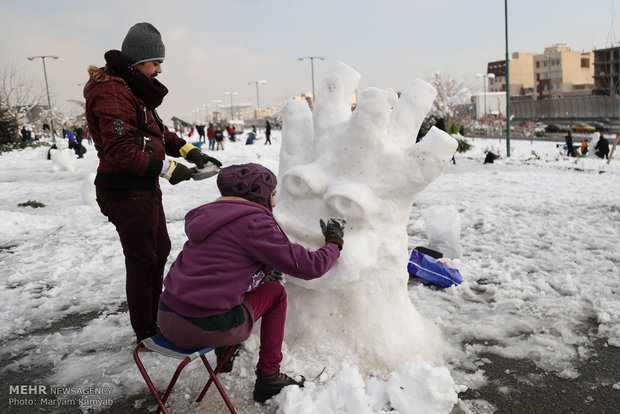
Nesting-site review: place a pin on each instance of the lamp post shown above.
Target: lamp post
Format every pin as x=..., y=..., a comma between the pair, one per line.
x=312, y=69
x=507, y=81
x=217, y=103
x=484, y=82
x=257, y=82
x=49, y=102
x=232, y=116
x=549, y=85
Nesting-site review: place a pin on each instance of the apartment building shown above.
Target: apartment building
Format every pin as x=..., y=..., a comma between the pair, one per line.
x=562, y=72
x=558, y=72
x=521, y=74
x=606, y=70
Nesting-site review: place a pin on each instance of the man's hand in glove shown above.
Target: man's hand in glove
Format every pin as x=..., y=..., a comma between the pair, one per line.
x=333, y=231
x=193, y=154
x=177, y=173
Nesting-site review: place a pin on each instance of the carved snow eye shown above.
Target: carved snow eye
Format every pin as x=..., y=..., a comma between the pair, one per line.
x=305, y=181
x=351, y=200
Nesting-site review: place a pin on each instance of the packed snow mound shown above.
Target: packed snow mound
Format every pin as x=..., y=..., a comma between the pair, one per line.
x=416, y=387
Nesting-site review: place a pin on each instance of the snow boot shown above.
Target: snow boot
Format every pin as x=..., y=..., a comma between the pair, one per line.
x=228, y=365
x=268, y=385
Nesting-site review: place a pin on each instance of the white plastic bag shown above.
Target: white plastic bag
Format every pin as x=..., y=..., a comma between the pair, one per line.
x=443, y=229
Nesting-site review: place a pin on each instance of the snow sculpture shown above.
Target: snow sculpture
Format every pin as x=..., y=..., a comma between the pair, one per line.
x=63, y=158
x=363, y=165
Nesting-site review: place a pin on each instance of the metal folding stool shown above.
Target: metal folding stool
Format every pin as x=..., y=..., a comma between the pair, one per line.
x=161, y=345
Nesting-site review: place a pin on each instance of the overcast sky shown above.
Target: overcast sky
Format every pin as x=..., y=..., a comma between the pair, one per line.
x=213, y=46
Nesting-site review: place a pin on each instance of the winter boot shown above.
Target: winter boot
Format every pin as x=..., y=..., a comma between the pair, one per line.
x=228, y=365
x=268, y=385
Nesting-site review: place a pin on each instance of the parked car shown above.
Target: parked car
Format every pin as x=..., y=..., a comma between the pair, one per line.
x=556, y=128
x=600, y=126
x=581, y=127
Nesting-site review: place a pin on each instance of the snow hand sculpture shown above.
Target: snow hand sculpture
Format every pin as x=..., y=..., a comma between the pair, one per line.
x=366, y=167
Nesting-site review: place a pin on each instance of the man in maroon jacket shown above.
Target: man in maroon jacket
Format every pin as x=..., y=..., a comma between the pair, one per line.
x=132, y=144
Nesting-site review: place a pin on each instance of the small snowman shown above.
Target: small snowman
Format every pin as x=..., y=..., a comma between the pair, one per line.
x=63, y=158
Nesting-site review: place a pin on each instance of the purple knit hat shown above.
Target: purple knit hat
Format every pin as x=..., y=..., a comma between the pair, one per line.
x=250, y=181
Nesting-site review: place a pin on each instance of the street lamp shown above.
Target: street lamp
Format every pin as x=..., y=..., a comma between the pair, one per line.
x=257, y=82
x=549, y=85
x=312, y=69
x=507, y=80
x=217, y=103
x=232, y=116
x=484, y=82
x=49, y=102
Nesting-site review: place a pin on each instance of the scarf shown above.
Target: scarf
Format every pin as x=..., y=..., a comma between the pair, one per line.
x=152, y=92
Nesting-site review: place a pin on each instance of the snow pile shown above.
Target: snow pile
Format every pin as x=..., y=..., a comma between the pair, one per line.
x=415, y=387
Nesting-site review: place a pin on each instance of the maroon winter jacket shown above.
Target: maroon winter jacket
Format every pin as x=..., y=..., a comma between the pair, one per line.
x=131, y=140
x=211, y=132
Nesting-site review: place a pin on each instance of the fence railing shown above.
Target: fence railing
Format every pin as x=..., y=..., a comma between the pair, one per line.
x=589, y=107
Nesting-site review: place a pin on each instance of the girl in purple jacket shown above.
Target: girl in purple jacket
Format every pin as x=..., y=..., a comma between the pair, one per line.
x=215, y=290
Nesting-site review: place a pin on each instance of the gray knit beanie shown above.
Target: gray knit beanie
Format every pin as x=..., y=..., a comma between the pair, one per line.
x=142, y=43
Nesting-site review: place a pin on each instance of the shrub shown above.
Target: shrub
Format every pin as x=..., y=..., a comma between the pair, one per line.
x=31, y=203
x=9, y=128
x=464, y=145
x=454, y=128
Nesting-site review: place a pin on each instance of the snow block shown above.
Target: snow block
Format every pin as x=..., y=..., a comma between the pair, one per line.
x=432, y=270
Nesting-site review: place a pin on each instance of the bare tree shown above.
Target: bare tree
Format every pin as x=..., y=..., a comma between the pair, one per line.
x=450, y=93
x=19, y=93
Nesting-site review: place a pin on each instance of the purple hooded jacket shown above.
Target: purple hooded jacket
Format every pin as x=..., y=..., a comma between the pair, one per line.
x=232, y=243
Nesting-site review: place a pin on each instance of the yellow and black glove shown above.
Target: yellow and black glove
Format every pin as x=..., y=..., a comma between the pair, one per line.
x=193, y=154
x=177, y=173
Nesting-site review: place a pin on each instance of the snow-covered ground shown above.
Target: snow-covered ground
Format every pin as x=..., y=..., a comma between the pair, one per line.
x=540, y=260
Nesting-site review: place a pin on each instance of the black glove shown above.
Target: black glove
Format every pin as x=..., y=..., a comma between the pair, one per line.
x=333, y=231
x=201, y=159
x=180, y=173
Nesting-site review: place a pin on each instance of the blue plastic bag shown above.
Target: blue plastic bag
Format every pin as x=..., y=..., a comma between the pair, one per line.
x=432, y=270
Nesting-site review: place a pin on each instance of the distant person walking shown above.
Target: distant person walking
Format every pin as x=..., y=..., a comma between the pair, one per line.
x=569, y=144
x=219, y=139
x=201, y=133
x=232, y=133
x=211, y=136
x=267, y=133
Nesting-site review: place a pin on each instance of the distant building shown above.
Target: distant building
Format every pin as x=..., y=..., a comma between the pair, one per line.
x=606, y=69
x=558, y=72
x=521, y=74
x=561, y=72
x=495, y=102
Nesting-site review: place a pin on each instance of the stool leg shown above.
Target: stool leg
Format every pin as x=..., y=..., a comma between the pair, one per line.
x=213, y=378
x=174, y=380
x=149, y=383
x=217, y=370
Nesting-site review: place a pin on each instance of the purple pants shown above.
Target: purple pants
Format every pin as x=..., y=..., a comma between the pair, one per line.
x=267, y=301
x=141, y=224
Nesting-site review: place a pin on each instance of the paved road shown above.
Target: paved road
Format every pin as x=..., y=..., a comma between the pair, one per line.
x=519, y=387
